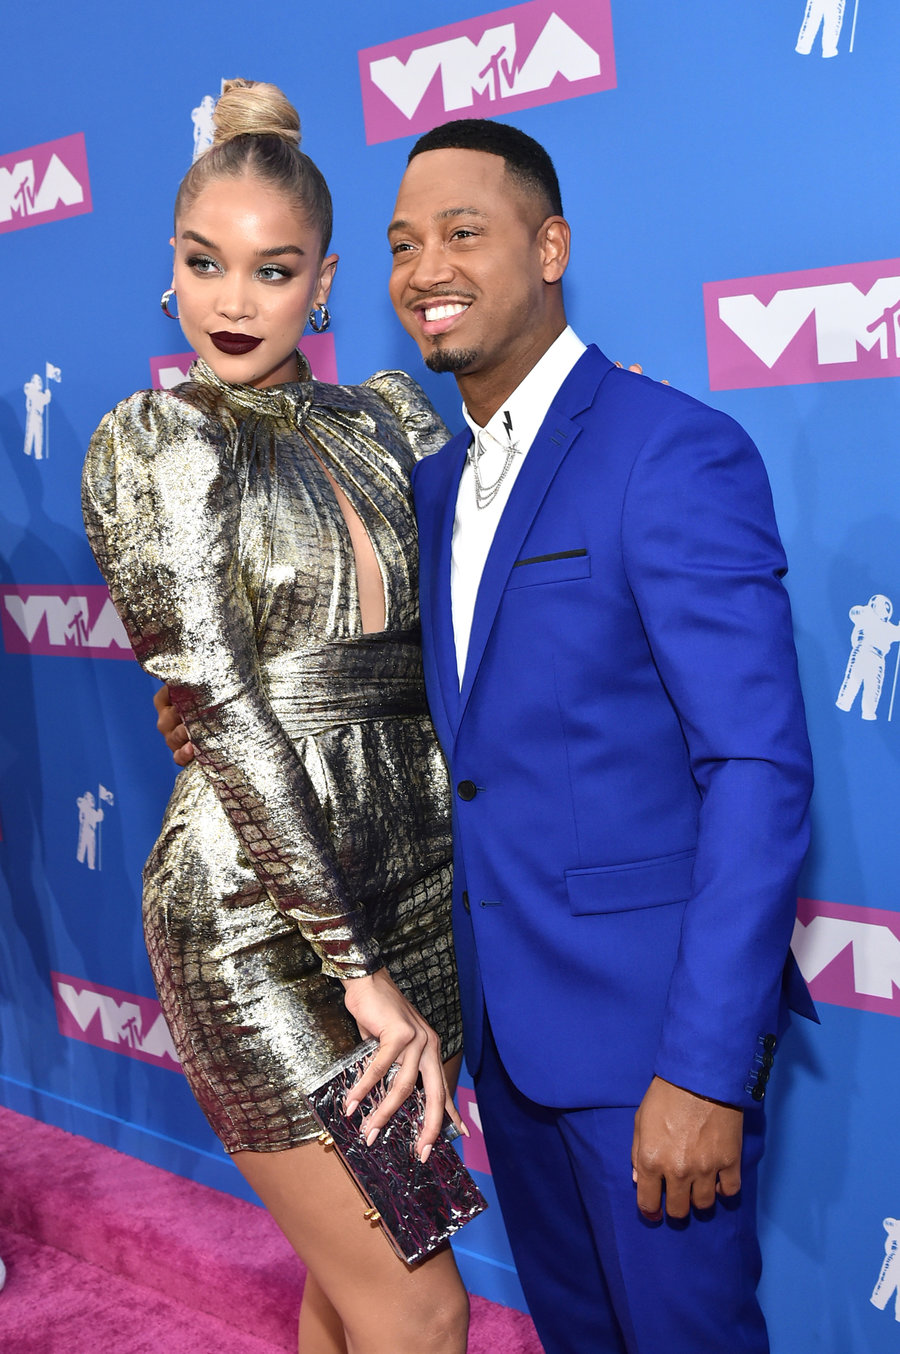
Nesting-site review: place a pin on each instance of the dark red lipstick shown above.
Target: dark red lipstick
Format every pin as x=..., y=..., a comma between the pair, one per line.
x=235, y=344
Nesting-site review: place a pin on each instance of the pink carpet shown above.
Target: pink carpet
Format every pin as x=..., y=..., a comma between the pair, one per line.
x=105, y=1253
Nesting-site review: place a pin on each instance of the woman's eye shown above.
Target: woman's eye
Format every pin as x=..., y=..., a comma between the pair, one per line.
x=201, y=263
x=272, y=273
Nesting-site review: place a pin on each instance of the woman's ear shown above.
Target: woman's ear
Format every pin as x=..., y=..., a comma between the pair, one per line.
x=326, y=277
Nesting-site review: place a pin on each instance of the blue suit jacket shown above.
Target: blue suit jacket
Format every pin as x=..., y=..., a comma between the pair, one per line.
x=631, y=745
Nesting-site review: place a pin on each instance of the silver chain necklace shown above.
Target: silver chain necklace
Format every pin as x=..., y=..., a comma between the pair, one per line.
x=486, y=493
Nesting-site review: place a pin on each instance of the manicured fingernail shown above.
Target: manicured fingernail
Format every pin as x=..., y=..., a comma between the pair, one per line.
x=425, y=1154
x=465, y=1132
x=350, y=1107
x=371, y=1136
x=634, y=1174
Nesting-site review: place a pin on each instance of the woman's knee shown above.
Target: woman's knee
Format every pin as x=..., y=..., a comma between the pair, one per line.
x=421, y=1323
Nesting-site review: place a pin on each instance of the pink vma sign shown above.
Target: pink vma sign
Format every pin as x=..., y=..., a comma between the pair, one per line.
x=44, y=183
x=849, y=956
x=497, y=63
x=66, y=621
x=473, y=1149
x=823, y=324
x=318, y=349
x=108, y=1018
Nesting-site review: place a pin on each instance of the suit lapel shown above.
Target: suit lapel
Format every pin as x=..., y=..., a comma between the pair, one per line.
x=437, y=540
x=554, y=440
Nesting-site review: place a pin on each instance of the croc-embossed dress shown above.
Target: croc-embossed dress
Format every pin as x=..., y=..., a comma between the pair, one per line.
x=310, y=838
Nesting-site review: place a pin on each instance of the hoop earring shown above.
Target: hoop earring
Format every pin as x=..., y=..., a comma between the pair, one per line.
x=318, y=325
x=164, y=302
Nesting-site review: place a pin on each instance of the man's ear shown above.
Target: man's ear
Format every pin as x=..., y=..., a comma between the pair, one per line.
x=554, y=238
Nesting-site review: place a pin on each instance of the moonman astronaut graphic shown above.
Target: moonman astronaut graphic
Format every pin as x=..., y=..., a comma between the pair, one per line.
x=202, y=118
x=873, y=635
x=36, y=401
x=89, y=816
x=827, y=14
x=887, y=1285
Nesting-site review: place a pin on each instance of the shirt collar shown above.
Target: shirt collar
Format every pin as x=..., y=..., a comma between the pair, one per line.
x=528, y=404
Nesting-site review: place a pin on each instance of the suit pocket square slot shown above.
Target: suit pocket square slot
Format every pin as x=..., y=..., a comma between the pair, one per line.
x=561, y=567
x=636, y=884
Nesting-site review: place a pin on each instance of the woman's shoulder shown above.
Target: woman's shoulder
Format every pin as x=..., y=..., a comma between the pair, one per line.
x=149, y=421
x=422, y=425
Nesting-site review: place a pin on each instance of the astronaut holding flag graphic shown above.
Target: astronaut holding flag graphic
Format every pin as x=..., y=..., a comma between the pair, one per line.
x=90, y=818
x=873, y=634
x=37, y=398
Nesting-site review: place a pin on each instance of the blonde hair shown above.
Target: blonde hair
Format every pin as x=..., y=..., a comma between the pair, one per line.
x=257, y=131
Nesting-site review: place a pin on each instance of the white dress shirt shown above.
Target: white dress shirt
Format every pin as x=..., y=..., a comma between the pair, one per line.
x=474, y=527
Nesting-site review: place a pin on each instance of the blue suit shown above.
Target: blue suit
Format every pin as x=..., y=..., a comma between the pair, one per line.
x=630, y=767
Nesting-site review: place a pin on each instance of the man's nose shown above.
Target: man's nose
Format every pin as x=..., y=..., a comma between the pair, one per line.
x=432, y=268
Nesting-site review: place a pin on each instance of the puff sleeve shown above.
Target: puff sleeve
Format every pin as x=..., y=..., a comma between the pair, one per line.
x=422, y=425
x=162, y=509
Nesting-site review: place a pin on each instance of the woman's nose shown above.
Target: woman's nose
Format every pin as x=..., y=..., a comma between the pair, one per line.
x=234, y=298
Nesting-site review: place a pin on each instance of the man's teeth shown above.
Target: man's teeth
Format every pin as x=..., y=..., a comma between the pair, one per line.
x=444, y=312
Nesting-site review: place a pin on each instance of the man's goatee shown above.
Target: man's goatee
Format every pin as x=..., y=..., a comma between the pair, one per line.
x=451, y=359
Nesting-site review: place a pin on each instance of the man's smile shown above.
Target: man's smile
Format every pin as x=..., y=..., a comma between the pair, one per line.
x=436, y=317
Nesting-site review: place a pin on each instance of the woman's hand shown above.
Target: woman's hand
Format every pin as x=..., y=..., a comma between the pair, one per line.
x=381, y=1011
x=168, y=721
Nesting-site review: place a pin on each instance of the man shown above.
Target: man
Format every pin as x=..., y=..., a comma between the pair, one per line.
x=610, y=666
x=611, y=672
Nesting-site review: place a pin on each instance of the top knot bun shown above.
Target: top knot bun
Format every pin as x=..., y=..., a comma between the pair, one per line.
x=253, y=108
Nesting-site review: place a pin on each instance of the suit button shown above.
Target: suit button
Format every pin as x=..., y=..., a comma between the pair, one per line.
x=467, y=789
x=762, y=1076
x=758, y=1092
x=769, y=1043
x=465, y=902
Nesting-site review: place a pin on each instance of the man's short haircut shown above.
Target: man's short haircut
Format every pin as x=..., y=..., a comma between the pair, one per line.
x=525, y=159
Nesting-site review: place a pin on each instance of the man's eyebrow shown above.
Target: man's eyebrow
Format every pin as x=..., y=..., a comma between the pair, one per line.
x=275, y=252
x=445, y=215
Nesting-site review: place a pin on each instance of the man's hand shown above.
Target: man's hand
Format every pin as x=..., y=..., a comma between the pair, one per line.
x=686, y=1145
x=168, y=721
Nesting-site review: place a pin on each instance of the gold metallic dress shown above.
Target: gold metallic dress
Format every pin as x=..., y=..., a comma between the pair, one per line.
x=310, y=839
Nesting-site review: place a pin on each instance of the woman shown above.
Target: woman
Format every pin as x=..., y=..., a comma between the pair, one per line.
x=256, y=532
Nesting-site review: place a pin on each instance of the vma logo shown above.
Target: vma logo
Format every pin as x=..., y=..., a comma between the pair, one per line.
x=107, y=1018
x=823, y=324
x=849, y=956
x=318, y=349
x=540, y=52
x=473, y=1149
x=78, y=622
x=44, y=183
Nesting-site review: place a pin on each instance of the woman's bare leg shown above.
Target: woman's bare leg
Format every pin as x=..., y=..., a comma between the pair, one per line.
x=320, y=1330
x=359, y=1297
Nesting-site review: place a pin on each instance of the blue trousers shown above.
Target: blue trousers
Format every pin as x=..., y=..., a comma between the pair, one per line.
x=597, y=1277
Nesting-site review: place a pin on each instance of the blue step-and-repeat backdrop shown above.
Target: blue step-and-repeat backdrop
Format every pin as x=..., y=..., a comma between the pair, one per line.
x=731, y=176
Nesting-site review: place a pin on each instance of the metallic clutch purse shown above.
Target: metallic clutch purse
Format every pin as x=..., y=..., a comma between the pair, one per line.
x=418, y=1206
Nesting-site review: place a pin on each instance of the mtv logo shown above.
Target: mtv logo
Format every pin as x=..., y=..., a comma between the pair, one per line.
x=44, y=183
x=75, y=622
x=531, y=54
x=108, y=1018
x=318, y=349
x=849, y=956
x=822, y=324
